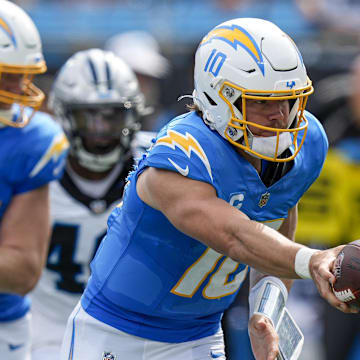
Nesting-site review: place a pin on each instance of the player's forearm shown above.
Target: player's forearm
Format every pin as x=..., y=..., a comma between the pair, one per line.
x=199, y=213
x=230, y=232
x=288, y=229
x=264, y=249
x=24, y=238
x=19, y=271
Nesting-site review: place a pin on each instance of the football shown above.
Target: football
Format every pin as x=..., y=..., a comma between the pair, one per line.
x=347, y=273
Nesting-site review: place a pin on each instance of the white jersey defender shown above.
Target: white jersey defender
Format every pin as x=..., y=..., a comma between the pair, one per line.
x=97, y=99
x=78, y=227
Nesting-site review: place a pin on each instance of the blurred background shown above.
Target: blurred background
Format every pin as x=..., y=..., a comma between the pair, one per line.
x=328, y=42
x=158, y=39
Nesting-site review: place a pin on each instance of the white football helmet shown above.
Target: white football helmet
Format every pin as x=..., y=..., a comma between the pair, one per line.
x=249, y=58
x=20, y=59
x=97, y=99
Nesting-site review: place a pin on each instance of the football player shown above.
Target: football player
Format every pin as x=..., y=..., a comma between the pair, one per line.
x=97, y=100
x=216, y=193
x=33, y=150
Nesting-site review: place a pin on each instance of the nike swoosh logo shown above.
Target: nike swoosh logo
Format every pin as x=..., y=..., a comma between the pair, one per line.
x=183, y=172
x=15, y=347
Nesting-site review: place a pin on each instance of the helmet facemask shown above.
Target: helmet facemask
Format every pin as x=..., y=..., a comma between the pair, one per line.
x=270, y=148
x=26, y=95
x=249, y=59
x=101, y=135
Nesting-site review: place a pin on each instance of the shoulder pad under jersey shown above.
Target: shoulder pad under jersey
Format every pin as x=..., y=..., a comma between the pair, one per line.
x=186, y=145
x=41, y=149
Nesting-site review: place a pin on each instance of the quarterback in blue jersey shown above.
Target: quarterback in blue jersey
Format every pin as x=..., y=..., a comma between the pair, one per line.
x=216, y=194
x=33, y=152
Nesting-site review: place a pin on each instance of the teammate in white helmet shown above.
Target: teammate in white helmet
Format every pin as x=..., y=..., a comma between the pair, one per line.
x=97, y=100
x=216, y=194
x=33, y=149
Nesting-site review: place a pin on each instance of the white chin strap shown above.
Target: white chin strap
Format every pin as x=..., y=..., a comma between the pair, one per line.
x=266, y=145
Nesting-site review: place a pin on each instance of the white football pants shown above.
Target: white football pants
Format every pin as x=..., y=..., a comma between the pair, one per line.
x=87, y=338
x=15, y=339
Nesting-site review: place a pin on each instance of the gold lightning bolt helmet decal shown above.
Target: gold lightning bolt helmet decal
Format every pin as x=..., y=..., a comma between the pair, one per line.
x=235, y=36
x=4, y=27
x=20, y=55
x=54, y=151
x=187, y=144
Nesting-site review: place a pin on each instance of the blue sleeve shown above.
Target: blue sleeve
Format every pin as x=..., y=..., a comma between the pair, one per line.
x=317, y=148
x=41, y=154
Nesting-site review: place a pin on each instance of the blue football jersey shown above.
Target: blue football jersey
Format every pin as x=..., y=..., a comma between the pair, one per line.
x=30, y=157
x=153, y=281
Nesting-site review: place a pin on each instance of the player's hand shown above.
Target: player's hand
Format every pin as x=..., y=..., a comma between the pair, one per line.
x=263, y=337
x=320, y=267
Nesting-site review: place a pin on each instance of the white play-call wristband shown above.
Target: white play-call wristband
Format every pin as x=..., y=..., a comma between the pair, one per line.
x=268, y=297
x=302, y=261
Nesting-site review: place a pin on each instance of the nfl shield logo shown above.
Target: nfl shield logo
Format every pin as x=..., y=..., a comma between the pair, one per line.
x=264, y=199
x=108, y=356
